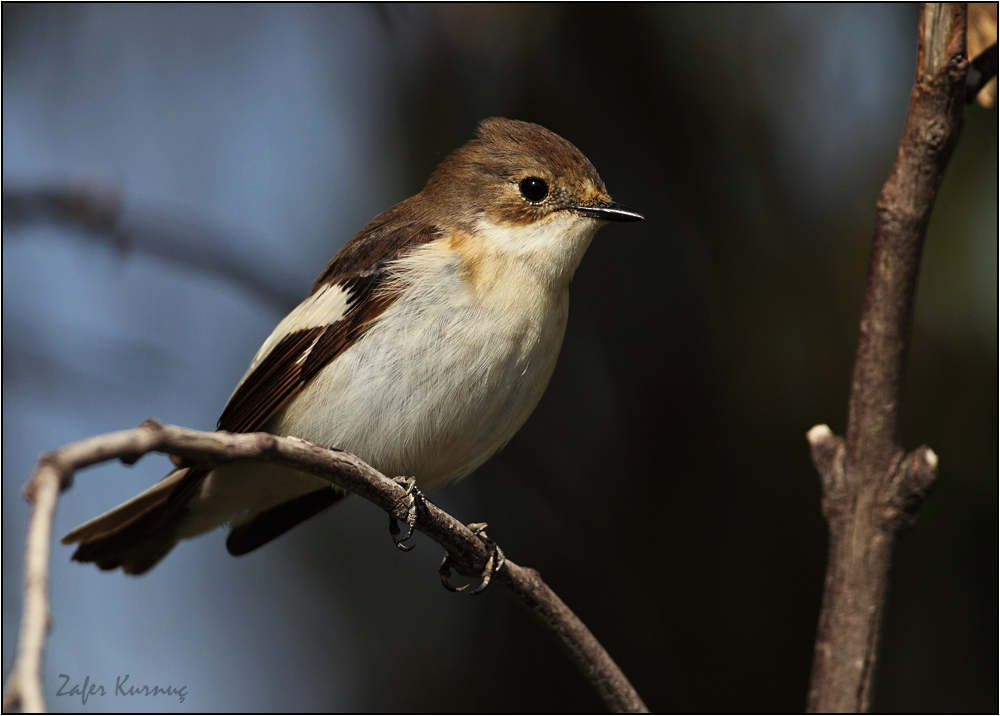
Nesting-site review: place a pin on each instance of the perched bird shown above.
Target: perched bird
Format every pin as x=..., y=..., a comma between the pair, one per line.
x=422, y=348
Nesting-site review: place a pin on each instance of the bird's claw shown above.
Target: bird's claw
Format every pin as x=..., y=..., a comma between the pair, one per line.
x=414, y=495
x=494, y=562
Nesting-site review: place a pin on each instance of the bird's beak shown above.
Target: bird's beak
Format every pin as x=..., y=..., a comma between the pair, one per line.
x=609, y=211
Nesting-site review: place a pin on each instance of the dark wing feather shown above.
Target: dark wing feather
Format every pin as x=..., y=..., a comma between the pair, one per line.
x=301, y=355
x=274, y=522
x=271, y=384
x=386, y=237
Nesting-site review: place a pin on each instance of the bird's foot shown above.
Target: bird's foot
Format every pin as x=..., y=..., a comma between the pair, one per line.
x=493, y=564
x=414, y=496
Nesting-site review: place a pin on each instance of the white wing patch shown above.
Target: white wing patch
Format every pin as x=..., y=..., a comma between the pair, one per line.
x=326, y=306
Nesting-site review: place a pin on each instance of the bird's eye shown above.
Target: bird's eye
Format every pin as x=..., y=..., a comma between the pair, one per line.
x=534, y=189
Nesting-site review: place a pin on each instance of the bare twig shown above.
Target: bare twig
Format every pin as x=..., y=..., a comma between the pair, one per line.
x=24, y=685
x=872, y=489
x=468, y=552
x=103, y=215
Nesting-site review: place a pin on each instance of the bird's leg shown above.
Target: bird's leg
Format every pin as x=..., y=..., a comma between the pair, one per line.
x=493, y=564
x=413, y=495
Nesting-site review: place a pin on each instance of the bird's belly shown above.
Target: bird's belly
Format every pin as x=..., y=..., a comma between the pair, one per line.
x=435, y=387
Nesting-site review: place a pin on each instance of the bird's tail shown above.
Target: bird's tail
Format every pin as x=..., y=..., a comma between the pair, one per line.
x=258, y=503
x=137, y=534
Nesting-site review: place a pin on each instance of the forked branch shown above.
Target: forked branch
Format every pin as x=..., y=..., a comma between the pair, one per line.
x=872, y=488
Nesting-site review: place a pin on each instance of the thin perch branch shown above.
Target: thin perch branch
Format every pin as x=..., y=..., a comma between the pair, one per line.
x=468, y=553
x=872, y=489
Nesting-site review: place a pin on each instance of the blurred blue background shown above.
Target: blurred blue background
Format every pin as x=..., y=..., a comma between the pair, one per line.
x=215, y=157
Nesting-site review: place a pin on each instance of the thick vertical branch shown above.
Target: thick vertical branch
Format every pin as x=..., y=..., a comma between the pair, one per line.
x=871, y=487
x=904, y=210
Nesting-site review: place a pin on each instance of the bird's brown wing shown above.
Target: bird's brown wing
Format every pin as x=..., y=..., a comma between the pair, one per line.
x=137, y=534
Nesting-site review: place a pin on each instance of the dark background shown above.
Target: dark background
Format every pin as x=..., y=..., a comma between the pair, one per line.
x=663, y=487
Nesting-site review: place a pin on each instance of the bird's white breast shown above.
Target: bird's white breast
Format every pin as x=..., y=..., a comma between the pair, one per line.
x=453, y=368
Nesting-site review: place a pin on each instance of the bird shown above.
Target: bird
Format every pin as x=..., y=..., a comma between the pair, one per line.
x=422, y=347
